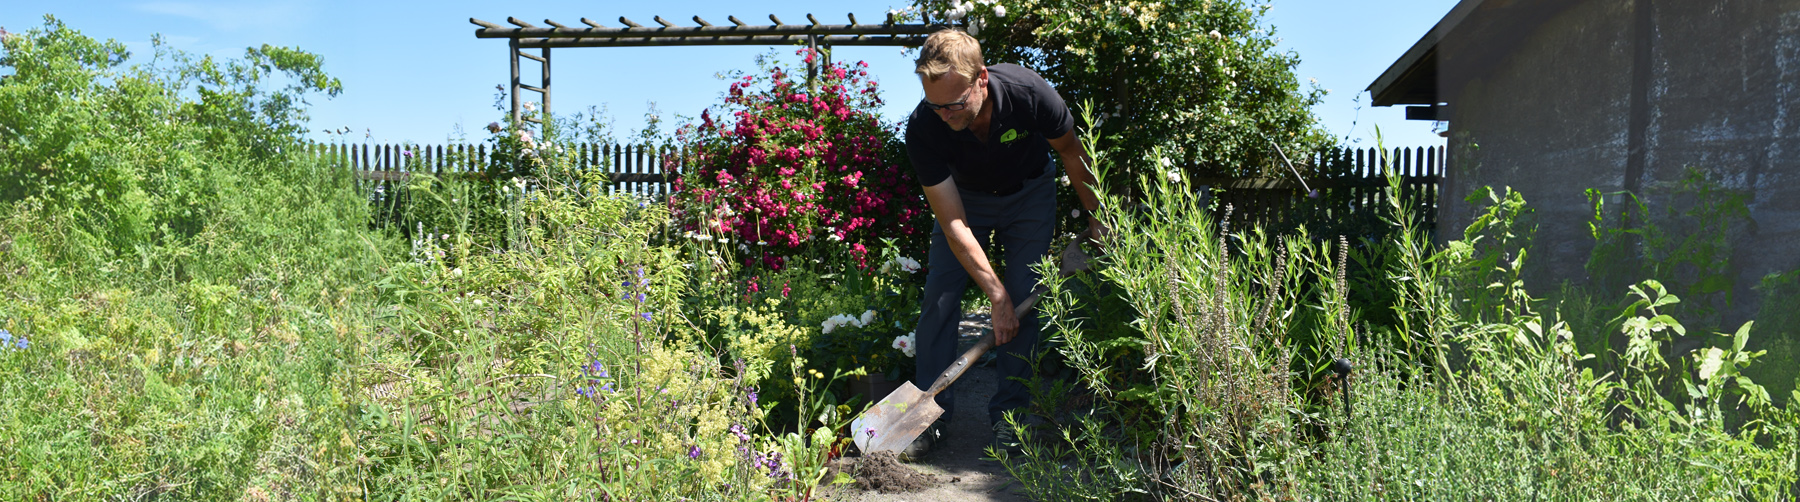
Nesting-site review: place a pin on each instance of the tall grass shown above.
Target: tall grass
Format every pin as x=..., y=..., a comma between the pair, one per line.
x=208, y=313
x=1219, y=387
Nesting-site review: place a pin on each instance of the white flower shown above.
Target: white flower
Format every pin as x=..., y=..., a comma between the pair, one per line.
x=1064, y=180
x=1165, y=162
x=1174, y=175
x=907, y=344
x=530, y=106
x=834, y=238
x=1215, y=34
x=456, y=272
x=478, y=302
x=1127, y=10
x=908, y=264
x=975, y=27
x=867, y=318
x=838, y=321
x=1000, y=10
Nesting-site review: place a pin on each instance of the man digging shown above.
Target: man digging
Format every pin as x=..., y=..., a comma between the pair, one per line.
x=980, y=143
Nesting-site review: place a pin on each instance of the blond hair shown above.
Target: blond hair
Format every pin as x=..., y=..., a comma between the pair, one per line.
x=946, y=51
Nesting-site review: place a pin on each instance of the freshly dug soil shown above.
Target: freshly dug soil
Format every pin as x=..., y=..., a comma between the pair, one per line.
x=883, y=472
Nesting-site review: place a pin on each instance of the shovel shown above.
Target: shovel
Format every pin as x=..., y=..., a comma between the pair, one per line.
x=896, y=420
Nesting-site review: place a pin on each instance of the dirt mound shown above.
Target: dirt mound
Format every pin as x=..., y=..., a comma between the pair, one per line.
x=883, y=472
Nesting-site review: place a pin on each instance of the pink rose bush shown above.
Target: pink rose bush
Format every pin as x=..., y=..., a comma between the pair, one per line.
x=786, y=170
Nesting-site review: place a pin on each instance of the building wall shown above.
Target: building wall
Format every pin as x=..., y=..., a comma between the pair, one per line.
x=1552, y=118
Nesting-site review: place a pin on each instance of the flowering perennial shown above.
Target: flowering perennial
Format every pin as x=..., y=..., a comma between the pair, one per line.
x=907, y=343
x=792, y=168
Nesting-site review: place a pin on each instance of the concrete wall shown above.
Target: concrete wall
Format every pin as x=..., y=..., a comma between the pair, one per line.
x=1552, y=117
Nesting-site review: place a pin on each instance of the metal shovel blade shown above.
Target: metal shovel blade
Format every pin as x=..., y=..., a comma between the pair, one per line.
x=896, y=420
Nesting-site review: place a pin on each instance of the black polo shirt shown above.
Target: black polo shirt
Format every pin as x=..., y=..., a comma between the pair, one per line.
x=1027, y=113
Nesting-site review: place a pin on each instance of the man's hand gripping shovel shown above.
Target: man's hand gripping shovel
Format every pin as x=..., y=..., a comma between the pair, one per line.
x=896, y=420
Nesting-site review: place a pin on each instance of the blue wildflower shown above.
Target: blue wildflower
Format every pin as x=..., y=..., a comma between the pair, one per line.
x=640, y=298
x=752, y=396
x=5, y=336
x=585, y=391
x=607, y=387
x=645, y=315
x=694, y=451
x=23, y=343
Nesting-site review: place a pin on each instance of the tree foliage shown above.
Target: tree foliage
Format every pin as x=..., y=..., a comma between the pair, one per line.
x=1199, y=79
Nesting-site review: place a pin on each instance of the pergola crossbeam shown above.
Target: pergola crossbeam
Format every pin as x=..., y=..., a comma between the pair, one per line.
x=816, y=35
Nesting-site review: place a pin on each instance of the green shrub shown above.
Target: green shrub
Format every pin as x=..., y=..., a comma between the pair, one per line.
x=1198, y=80
x=1471, y=394
x=188, y=281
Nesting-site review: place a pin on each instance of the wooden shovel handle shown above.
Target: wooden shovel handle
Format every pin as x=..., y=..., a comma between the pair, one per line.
x=986, y=342
x=968, y=358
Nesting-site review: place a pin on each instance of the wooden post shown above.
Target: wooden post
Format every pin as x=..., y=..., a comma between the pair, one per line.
x=546, y=83
x=512, y=54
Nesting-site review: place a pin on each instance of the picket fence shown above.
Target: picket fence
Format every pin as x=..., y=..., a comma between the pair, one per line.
x=1350, y=183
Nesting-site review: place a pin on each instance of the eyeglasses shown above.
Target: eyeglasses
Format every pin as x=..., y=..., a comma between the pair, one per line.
x=955, y=107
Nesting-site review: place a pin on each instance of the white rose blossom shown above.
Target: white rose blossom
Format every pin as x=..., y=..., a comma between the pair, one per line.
x=867, y=318
x=907, y=344
x=907, y=264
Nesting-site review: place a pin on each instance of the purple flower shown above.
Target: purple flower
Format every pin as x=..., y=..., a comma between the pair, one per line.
x=596, y=369
x=607, y=387
x=738, y=430
x=406, y=153
x=694, y=451
x=752, y=396
x=640, y=298
x=23, y=343
x=5, y=336
x=869, y=431
x=645, y=315
x=1314, y=194
x=584, y=391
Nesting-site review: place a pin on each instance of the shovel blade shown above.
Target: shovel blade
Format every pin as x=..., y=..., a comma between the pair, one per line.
x=895, y=421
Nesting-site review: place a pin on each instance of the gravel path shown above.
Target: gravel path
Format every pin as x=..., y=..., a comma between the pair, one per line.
x=957, y=462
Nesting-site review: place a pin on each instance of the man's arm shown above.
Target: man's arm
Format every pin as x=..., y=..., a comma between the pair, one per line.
x=947, y=206
x=1075, y=162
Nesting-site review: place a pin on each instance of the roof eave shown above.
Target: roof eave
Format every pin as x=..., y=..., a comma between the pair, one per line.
x=1396, y=85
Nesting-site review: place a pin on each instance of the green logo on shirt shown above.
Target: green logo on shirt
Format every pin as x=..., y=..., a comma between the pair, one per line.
x=1013, y=134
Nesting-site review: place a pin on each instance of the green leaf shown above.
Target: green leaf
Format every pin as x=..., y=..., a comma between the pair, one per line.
x=1138, y=393
x=1742, y=337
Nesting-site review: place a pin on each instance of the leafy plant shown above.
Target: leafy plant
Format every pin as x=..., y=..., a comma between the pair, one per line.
x=1197, y=80
x=799, y=170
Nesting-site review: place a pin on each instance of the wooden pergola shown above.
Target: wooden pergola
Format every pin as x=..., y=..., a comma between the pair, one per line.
x=815, y=35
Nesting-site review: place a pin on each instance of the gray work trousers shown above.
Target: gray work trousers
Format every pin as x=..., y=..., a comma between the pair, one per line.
x=1024, y=222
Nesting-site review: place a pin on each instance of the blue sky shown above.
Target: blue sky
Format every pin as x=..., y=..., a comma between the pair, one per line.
x=414, y=71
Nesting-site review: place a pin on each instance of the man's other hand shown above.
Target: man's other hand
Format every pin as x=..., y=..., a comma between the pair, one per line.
x=1006, y=322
